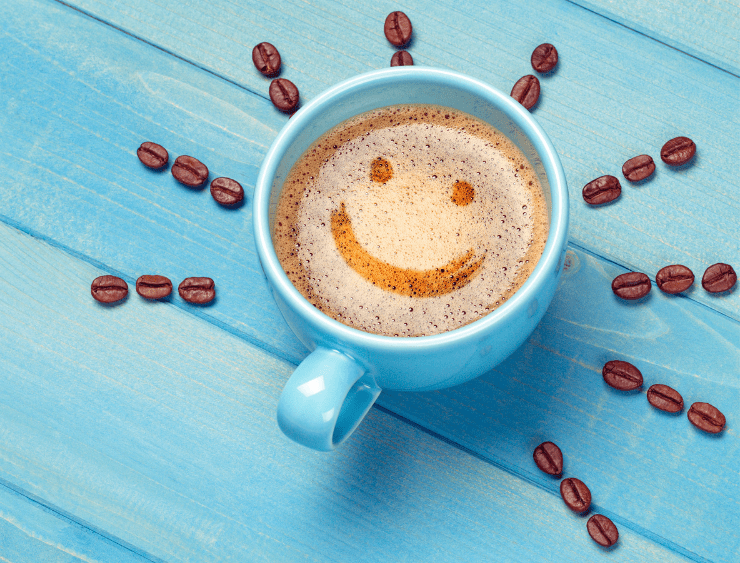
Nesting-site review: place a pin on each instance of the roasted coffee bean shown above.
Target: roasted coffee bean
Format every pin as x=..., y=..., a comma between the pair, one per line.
x=638, y=168
x=602, y=190
x=622, y=375
x=526, y=91
x=190, y=171
x=227, y=191
x=197, y=290
x=402, y=58
x=706, y=417
x=544, y=58
x=674, y=279
x=665, y=398
x=108, y=289
x=266, y=59
x=153, y=287
x=152, y=155
x=576, y=494
x=284, y=94
x=398, y=28
x=718, y=278
x=632, y=285
x=678, y=151
x=549, y=458
x=602, y=530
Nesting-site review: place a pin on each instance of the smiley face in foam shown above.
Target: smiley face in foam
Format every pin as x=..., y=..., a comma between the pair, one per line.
x=400, y=203
x=410, y=220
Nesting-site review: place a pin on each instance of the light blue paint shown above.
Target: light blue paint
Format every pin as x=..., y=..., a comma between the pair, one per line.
x=175, y=450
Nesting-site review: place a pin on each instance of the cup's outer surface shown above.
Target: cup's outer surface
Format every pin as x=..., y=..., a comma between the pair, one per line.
x=428, y=362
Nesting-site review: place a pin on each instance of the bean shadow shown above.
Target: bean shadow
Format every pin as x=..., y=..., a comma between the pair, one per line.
x=112, y=305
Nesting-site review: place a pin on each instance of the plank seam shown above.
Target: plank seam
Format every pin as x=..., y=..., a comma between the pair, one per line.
x=66, y=516
x=275, y=352
x=160, y=48
x=512, y=470
x=625, y=26
x=609, y=260
x=280, y=355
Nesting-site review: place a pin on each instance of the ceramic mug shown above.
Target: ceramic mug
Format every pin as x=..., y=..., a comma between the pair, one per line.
x=334, y=387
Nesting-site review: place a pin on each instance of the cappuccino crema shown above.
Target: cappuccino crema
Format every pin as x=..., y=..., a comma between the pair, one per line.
x=410, y=220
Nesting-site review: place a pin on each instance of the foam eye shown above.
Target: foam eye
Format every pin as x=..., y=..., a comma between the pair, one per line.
x=381, y=170
x=462, y=193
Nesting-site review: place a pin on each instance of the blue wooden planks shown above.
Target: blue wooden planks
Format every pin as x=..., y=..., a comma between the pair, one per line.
x=157, y=429
x=708, y=30
x=616, y=94
x=115, y=444
x=654, y=470
x=30, y=532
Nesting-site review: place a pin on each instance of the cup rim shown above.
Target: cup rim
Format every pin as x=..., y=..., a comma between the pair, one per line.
x=549, y=260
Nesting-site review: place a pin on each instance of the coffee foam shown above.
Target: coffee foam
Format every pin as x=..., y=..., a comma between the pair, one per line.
x=438, y=234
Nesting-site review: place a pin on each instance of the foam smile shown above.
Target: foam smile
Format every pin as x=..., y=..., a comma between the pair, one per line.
x=418, y=283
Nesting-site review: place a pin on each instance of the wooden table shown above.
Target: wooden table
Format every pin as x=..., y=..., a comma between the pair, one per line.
x=146, y=431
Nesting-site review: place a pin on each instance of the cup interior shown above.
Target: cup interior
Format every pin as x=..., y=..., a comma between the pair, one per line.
x=414, y=85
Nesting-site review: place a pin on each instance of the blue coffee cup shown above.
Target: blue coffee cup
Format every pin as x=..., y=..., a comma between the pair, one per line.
x=336, y=384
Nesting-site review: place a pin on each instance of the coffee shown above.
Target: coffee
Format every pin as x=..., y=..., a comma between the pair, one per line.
x=602, y=530
x=199, y=290
x=190, y=171
x=526, y=91
x=410, y=221
x=665, y=398
x=707, y=417
x=576, y=494
x=622, y=375
x=227, y=191
x=153, y=286
x=632, y=285
x=674, y=278
x=108, y=289
x=638, y=168
x=549, y=458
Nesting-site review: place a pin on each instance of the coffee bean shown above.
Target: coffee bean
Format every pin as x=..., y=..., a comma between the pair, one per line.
x=718, y=278
x=197, y=290
x=190, y=171
x=678, y=151
x=284, y=94
x=549, y=458
x=544, y=58
x=674, y=279
x=632, y=285
x=108, y=289
x=602, y=530
x=526, y=91
x=402, y=58
x=153, y=287
x=576, y=494
x=638, y=168
x=602, y=190
x=622, y=375
x=266, y=59
x=665, y=398
x=152, y=155
x=706, y=417
x=227, y=191
x=398, y=28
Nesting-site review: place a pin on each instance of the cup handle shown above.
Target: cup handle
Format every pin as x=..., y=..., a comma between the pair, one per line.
x=325, y=399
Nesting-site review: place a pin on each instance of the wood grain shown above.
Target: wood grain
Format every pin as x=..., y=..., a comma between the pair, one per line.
x=650, y=468
x=706, y=29
x=107, y=414
x=152, y=425
x=615, y=94
x=31, y=532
